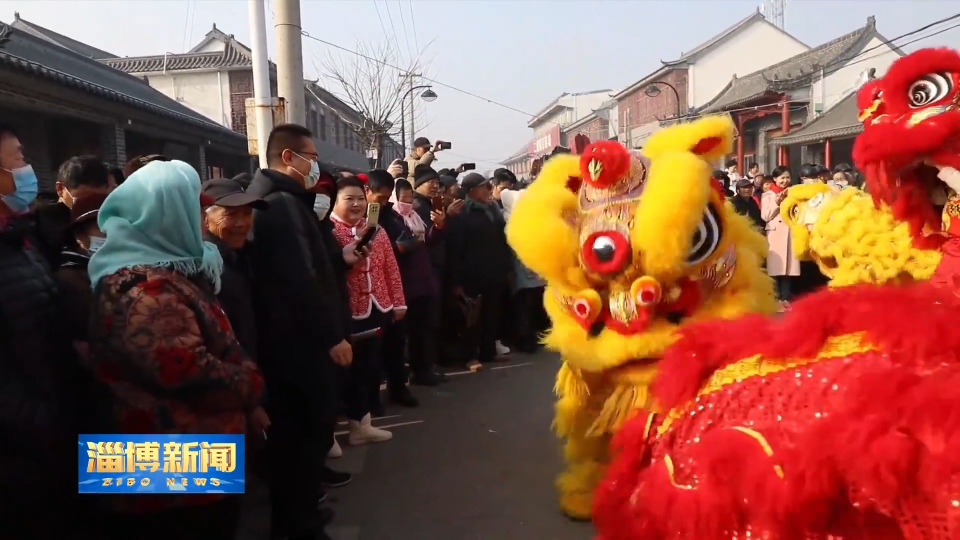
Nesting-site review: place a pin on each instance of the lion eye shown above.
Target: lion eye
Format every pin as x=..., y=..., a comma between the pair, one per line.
x=931, y=88
x=706, y=238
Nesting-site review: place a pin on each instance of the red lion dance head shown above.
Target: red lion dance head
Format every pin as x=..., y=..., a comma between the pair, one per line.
x=910, y=146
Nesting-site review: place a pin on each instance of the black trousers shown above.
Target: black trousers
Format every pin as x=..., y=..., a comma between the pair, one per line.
x=296, y=449
x=362, y=389
x=482, y=336
x=393, y=349
x=414, y=338
x=530, y=319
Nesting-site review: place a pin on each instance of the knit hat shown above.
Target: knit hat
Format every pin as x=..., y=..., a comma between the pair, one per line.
x=447, y=181
x=473, y=180
x=423, y=174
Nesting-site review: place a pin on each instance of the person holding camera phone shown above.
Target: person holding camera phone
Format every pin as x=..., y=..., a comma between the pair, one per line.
x=410, y=235
x=376, y=301
x=423, y=154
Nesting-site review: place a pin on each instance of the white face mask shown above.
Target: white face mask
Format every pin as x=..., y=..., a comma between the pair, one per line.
x=321, y=205
x=96, y=242
x=311, y=178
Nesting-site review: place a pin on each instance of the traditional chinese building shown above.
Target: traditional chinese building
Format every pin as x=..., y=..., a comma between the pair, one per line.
x=63, y=102
x=778, y=99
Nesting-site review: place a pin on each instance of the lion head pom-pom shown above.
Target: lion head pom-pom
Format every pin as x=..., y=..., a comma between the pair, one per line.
x=603, y=163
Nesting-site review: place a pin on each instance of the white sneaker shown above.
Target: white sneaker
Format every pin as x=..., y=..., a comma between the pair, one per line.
x=335, y=450
x=502, y=349
x=363, y=432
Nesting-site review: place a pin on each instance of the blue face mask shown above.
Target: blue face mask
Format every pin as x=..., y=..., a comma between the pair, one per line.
x=25, y=189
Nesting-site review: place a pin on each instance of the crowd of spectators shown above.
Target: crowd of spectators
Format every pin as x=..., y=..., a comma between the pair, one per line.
x=143, y=301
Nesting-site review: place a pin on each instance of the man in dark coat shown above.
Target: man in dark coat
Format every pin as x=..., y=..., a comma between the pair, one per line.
x=228, y=223
x=76, y=178
x=301, y=335
x=480, y=262
x=42, y=398
x=746, y=205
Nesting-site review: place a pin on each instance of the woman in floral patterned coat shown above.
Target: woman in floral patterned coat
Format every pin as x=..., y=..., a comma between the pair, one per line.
x=376, y=298
x=161, y=344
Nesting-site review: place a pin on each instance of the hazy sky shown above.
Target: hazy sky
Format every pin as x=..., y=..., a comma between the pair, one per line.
x=520, y=53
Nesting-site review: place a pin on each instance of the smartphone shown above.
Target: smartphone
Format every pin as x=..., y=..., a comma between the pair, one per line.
x=445, y=146
x=436, y=203
x=367, y=237
x=469, y=166
x=366, y=334
x=373, y=214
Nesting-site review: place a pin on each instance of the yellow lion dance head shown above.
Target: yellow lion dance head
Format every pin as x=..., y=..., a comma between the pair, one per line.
x=851, y=239
x=632, y=247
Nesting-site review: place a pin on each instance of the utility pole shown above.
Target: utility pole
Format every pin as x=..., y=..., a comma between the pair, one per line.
x=413, y=111
x=290, y=59
x=261, y=78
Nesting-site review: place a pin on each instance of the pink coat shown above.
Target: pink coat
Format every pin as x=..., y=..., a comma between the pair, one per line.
x=780, y=259
x=374, y=282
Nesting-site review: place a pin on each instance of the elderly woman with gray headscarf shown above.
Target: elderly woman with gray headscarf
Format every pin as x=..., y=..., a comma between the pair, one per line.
x=162, y=346
x=526, y=289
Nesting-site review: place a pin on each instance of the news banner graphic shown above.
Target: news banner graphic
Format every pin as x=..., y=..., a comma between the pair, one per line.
x=175, y=464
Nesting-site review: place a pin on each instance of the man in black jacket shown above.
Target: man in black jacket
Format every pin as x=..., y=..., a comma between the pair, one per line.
x=746, y=205
x=77, y=177
x=301, y=335
x=41, y=396
x=426, y=189
x=228, y=223
x=480, y=261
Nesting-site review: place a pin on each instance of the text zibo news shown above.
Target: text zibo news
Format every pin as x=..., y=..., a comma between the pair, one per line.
x=161, y=463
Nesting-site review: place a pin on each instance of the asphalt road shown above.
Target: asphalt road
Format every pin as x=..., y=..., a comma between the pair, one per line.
x=475, y=461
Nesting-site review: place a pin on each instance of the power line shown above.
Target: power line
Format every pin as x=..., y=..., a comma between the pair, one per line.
x=684, y=117
x=382, y=26
x=413, y=24
x=402, y=70
x=908, y=34
x=187, y=25
x=403, y=23
x=393, y=26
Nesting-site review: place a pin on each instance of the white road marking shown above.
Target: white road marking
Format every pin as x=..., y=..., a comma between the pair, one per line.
x=343, y=423
x=455, y=373
x=399, y=424
x=513, y=366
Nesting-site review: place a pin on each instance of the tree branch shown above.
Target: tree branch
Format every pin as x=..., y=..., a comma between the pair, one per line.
x=368, y=83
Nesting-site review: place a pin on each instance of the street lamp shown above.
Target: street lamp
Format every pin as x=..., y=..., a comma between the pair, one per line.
x=654, y=90
x=428, y=95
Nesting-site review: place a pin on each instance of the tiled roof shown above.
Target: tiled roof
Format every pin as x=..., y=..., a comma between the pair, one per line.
x=233, y=55
x=791, y=73
x=755, y=16
x=840, y=120
x=556, y=103
x=45, y=34
x=39, y=57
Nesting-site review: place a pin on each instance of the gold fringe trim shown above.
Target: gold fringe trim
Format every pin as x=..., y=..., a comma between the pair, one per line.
x=570, y=383
x=622, y=404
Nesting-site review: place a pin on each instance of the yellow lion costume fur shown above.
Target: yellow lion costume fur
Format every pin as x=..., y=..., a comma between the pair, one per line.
x=851, y=239
x=631, y=248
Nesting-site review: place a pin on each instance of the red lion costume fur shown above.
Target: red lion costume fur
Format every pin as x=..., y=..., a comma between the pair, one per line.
x=840, y=419
x=828, y=422
x=910, y=150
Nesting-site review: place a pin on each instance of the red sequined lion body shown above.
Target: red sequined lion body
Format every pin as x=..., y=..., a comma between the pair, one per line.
x=840, y=419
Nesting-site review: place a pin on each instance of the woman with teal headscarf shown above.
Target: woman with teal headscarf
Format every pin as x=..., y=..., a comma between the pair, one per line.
x=160, y=343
